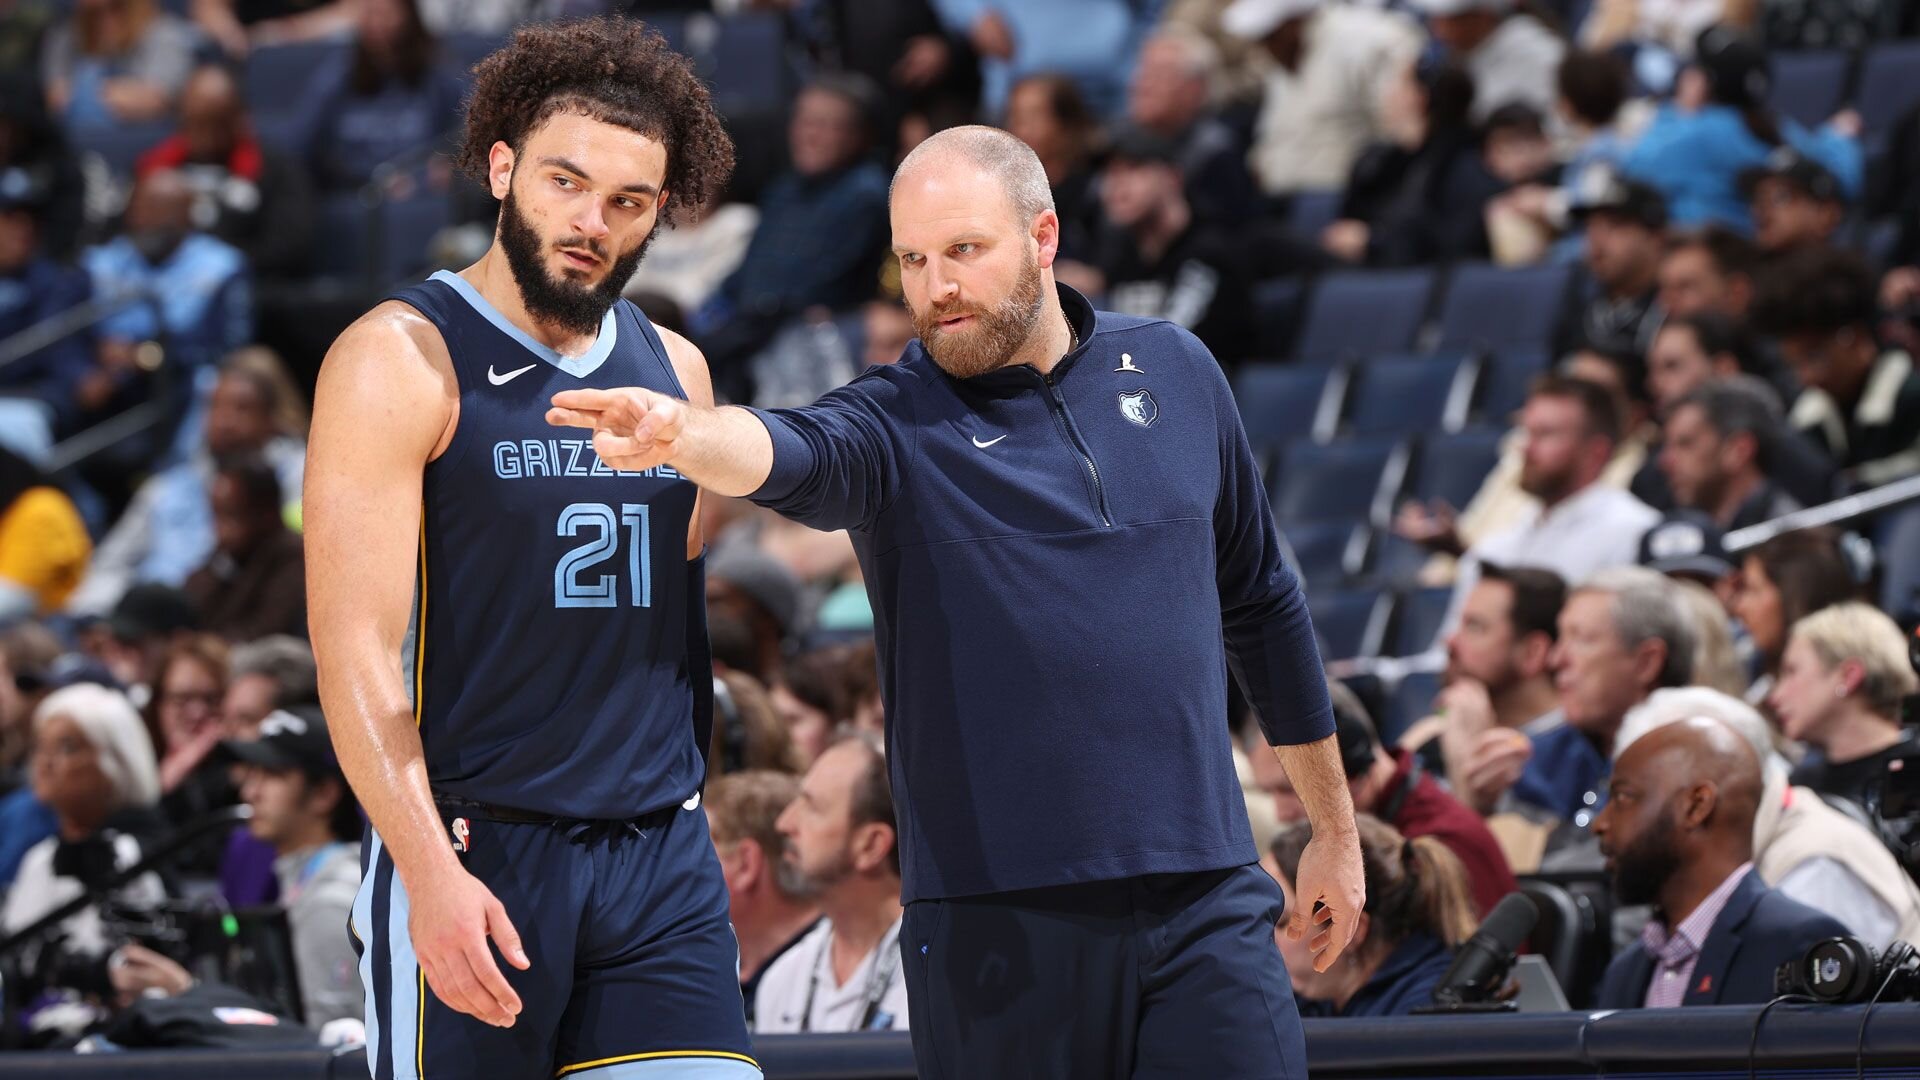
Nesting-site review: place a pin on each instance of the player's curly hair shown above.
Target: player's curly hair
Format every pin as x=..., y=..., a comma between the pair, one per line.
x=615, y=70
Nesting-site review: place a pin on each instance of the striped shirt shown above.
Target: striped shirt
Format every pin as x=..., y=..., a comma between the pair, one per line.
x=1676, y=951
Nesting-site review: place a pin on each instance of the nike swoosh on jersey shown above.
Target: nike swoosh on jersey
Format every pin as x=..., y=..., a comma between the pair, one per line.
x=498, y=379
x=984, y=445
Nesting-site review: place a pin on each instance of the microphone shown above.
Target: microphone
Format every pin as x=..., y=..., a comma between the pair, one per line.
x=1481, y=966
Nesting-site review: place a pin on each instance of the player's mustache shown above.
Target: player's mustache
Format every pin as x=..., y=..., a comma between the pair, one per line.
x=586, y=247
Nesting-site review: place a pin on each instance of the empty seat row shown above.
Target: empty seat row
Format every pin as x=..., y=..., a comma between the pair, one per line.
x=1368, y=622
x=1352, y=313
x=1811, y=85
x=1384, y=395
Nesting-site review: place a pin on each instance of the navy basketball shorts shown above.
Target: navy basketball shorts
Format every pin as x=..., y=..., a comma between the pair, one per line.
x=1172, y=975
x=634, y=970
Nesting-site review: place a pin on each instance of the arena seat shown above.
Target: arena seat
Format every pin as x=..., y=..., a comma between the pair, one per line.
x=280, y=82
x=1505, y=375
x=1308, y=212
x=1490, y=307
x=1453, y=466
x=1349, y=624
x=1352, y=480
x=1279, y=403
x=1276, y=309
x=1322, y=552
x=1410, y=702
x=1408, y=395
x=1356, y=313
x=1416, y=619
x=1889, y=86
x=1809, y=85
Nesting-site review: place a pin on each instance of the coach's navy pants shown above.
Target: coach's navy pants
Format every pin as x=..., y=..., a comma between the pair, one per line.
x=1172, y=975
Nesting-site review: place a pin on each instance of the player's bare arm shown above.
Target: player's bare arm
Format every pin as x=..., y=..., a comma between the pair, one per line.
x=691, y=368
x=1330, y=869
x=389, y=374
x=725, y=450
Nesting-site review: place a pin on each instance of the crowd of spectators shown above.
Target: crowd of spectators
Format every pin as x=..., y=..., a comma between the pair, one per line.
x=1622, y=696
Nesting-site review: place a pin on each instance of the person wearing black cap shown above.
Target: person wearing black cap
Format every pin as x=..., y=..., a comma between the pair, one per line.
x=1719, y=443
x=1157, y=261
x=303, y=807
x=1718, y=125
x=1688, y=544
x=1625, y=222
x=1796, y=201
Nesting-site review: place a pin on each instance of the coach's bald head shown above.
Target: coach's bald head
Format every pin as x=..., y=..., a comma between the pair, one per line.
x=976, y=234
x=1680, y=810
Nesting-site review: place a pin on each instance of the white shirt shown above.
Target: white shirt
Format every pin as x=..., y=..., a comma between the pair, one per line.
x=1518, y=63
x=1315, y=121
x=806, y=971
x=1826, y=885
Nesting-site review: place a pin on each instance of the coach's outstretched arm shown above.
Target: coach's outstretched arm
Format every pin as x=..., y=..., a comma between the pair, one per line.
x=1271, y=649
x=385, y=405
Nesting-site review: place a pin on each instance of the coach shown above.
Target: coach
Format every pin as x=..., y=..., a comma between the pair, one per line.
x=1060, y=522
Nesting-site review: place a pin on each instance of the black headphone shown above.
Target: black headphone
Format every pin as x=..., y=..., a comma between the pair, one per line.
x=733, y=729
x=1847, y=971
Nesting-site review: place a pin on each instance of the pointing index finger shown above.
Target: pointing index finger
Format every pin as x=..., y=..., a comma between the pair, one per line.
x=585, y=400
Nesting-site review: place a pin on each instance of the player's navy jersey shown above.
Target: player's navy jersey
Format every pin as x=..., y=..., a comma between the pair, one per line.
x=548, y=657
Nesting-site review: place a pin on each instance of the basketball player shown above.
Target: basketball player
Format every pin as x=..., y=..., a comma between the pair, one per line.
x=1066, y=542
x=511, y=635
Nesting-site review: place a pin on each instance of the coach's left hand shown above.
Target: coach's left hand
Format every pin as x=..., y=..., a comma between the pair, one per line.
x=1329, y=892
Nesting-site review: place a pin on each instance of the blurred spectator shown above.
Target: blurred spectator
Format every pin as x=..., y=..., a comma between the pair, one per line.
x=255, y=582
x=888, y=329
x=23, y=24
x=1049, y=114
x=1158, y=261
x=760, y=596
x=1397, y=788
x=1420, y=196
x=899, y=45
x=39, y=392
x=1783, y=581
x=188, y=290
x=1331, y=64
x=862, y=673
x=812, y=700
x=1625, y=223
x=1515, y=147
x=688, y=260
x=1708, y=271
x=240, y=25
x=822, y=230
x=43, y=543
x=303, y=807
x=193, y=682
x=1861, y=403
x=1418, y=911
x=269, y=673
x=1716, y=666
x=93, y=767
x=747, y=732
x=384, y=102
x=1241, y=64
x=1843, y=679
x=245, y=192
x=1718, y=450
x=115, y=62
x=1688, y=546
x=766, y=897
x=1796, y=202
x=1593, y=89
x=1802, y=846
x=1171, y=96
x=1718, y=125
x=845, y=974
x=1510, y=54
x=1670, y=26
x=26, y=651
x=1677, y=831
x=167, y=532
x=1089, y=41
x=37, y=166
x=132, y=643
x=1580, y=525
x=1690, y=351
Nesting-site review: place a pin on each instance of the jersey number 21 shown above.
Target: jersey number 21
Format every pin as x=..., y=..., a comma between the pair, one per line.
x=573, y=586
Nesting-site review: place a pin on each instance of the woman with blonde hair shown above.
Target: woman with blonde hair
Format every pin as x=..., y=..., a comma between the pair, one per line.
x=1419, y=909
x=1843, y=679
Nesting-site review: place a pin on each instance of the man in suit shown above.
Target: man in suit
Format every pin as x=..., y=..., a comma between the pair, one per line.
x=1677, y=832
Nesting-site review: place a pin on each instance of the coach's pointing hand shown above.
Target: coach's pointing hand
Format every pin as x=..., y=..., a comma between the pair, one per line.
x=633, y=428
x=1329, y=893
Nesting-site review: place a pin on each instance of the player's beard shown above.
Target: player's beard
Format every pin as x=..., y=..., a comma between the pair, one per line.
x=996, y=334
x=557, y=301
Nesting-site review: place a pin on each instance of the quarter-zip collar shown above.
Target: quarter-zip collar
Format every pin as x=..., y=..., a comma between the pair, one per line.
x=1025, y=378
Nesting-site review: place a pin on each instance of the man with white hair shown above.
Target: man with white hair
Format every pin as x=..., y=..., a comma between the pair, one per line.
x=1328, y=65
x=1512, y=56
x=1066, y=542
x=1802, y=846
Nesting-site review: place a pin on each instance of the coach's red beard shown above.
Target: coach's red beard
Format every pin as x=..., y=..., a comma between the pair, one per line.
x=989, y=338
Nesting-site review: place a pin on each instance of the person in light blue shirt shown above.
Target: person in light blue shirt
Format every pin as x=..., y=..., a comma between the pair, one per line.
x=1090, y=41
x=1718, y=126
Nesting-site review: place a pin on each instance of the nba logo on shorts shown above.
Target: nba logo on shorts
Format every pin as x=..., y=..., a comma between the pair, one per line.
x=1139, y=407
x=459, y=828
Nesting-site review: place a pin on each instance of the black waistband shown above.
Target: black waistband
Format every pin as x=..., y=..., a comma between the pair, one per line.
x=473, y=808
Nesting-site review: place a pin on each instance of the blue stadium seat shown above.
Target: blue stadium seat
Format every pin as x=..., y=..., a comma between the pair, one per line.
x=388, y=242
x=1276, y=307
x=281, y=78
x=1320, y=553
x=1278, y=402
x=1408, y=394
x=1349, y=624
x=1505, y=378
x=1490, y=307
x=459, y=52
x=1410, y=703
x=1354, y=313
x=1416, y=619
x=1809, y=85
x=120, y=146
x=1393, y=563
x=1889, y=85
x=1308, y=212
x=1339, y=482
x=1452, y=467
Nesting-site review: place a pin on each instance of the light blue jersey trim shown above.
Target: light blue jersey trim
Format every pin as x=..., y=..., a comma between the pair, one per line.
x=577, y=366
x=672, y=1068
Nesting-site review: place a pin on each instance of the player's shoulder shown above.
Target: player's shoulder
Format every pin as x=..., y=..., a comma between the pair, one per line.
x=388, y=327
x=391, y=348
